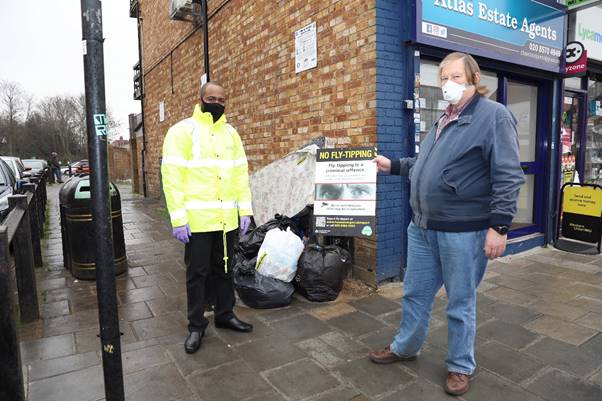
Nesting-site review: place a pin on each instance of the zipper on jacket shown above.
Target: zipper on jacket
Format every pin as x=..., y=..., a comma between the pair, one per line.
x=435, y=142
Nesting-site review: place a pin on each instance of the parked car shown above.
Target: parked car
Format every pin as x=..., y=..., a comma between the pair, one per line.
x=8, y=187
x=78, y=167
x=17, y=167
x=35, y=166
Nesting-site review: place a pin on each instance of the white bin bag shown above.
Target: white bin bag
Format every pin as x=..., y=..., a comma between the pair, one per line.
x=278, y=254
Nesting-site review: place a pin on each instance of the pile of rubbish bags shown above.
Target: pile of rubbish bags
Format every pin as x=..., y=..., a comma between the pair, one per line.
x=272, y=261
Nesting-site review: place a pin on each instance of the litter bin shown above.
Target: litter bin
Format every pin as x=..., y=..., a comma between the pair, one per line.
x=77, y=228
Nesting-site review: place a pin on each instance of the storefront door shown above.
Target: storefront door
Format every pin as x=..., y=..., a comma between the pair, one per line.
x=572, y=138
x=524, y=100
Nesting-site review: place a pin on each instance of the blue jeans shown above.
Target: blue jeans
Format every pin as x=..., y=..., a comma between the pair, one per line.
x=436, y=258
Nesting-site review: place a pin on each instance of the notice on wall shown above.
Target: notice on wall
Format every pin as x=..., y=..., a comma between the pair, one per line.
x=306, y=48
x=345, y=193
x=581, y=212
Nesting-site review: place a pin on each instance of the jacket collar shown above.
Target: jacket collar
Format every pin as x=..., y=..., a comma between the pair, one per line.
x=206, y=118
x=466, y=114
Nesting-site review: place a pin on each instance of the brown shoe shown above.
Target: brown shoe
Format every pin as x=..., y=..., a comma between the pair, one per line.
x=457, y=383
x=387, y=356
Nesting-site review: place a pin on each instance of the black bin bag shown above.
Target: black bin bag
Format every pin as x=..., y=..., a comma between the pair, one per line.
x=321, y=271
x=258, y=291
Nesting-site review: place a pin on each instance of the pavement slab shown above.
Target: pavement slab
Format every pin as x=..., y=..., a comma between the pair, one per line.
x=291, y=380
x=559, y=386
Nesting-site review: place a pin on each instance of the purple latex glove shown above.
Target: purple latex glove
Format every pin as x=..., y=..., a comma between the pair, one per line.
x=245, y=222
x=182, y=233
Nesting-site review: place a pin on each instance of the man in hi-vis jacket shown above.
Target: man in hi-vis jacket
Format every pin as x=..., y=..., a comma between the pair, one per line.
x=206, y=184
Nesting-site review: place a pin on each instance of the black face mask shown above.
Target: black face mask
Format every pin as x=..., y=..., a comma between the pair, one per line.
x=216, y=109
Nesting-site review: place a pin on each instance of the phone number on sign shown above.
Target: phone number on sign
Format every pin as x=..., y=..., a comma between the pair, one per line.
x=550, y=51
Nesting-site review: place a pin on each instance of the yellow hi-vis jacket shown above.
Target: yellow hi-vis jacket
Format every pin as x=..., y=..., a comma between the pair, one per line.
x=205, y=174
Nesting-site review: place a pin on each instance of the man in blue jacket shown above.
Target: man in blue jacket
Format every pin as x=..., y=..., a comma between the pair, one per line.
x=464, y=189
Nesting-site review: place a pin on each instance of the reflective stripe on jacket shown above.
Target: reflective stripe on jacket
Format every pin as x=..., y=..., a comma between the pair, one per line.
x=205, y=174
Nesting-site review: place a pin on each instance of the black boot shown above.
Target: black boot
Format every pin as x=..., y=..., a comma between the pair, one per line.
x=193, y=342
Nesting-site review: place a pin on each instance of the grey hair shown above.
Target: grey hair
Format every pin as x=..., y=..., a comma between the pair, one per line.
x=207, y=84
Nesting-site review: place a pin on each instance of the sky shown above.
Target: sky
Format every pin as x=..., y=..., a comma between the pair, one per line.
x=41, y=48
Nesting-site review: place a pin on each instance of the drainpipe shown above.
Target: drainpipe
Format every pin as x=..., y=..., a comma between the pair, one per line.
x=143, y=152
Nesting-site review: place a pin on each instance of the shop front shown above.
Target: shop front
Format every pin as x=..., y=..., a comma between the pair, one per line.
x=581, y=132
x=519, y=47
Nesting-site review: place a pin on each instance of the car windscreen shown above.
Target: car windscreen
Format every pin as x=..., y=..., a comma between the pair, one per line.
x=34, y=164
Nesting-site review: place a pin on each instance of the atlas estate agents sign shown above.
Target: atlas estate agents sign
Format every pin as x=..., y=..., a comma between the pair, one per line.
x=524, y=32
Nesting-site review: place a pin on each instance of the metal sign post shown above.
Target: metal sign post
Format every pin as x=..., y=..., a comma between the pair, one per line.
x=96, y=121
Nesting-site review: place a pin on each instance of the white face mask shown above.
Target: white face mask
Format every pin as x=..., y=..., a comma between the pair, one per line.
x=452, y=92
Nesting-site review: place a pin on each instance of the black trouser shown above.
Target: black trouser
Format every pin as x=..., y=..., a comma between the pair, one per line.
x=204, y=258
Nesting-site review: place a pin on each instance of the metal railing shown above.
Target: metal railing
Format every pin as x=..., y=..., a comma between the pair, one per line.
x=21, y=232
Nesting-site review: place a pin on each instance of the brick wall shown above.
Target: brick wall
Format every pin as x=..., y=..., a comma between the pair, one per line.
x=120, y=163
x=252, y=54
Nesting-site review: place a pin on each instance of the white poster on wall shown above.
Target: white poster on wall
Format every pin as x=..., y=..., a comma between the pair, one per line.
x=589, y=32
x=306, y=48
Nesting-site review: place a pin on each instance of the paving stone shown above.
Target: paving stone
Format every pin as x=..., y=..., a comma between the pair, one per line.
x=268, y=396
x=380, y=338
x=218, y=384
x=561, y=330
x=375, y=305
x=510, y=296
x=591, y=320
x=347, y=346
x=273, y=315
x=559, y=386
x=299, y=328
x=140, y=294
x=286, y=379
x=355, y=323
x=124, y=284
x=597, y=378
x=561, y=355
x=268, y=352
x=512, y=335
x=420, y=390
x=506, y=362
x=70, y=323
x=47, y=348
x=82, y=385
x=79, y=303
x=331, y=311
x=591, y=304
x=392, y=319
x=57, y=366
x=143, y=358
x=508, y=313
x=593, y=345
x=158, y=327
x=511, y=282
x=135, y=311
x=173, y=289
x=340, y=394
x=162, y=306
x=54, y=309
x=157, y=383
x=150, y=280
x=492, y=388
x=322, y=353
x=372, y=379
x=213, y=352
x=559, y=310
